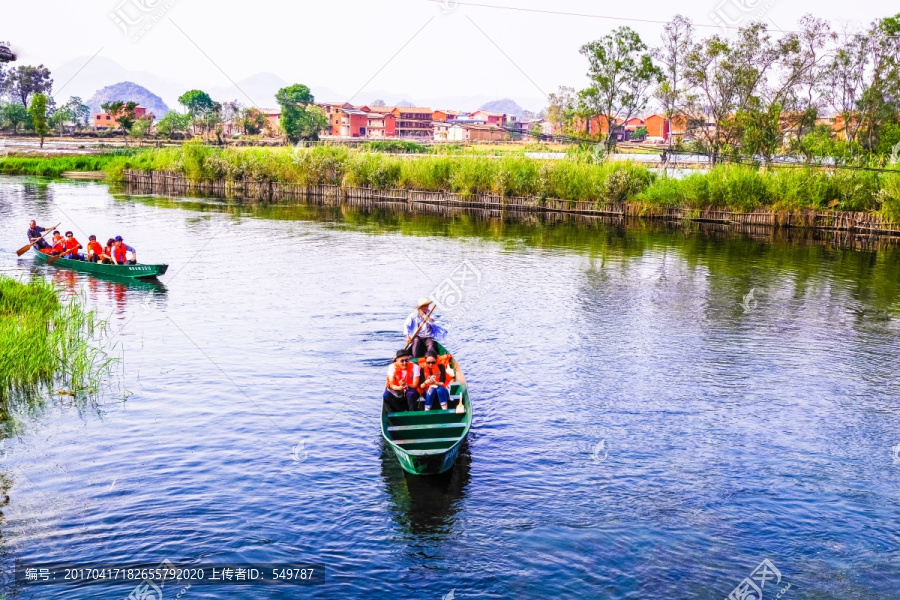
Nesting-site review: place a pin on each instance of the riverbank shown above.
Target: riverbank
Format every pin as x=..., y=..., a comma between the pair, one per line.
x=739, y=188
x=45, y=346
x=574, y=183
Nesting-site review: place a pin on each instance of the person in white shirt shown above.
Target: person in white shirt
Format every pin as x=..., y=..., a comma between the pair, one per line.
x=429, y=332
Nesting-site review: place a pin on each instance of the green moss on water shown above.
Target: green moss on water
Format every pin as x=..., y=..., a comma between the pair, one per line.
x=45, y=346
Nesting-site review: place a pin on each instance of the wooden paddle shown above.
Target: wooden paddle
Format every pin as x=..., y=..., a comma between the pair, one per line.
x=52, y=260
x=25, y=249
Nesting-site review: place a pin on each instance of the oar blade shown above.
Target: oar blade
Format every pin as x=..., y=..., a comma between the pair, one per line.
x=23, y=250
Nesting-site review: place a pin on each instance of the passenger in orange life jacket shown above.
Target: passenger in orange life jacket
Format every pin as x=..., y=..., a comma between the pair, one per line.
x=108, y=251
x=72, y=247
x=94, y=250
x=58, y=244
x=435, y=381
x=120, y=251
x=401, y=392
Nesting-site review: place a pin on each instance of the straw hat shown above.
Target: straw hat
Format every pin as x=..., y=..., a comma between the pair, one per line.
x=423, y=301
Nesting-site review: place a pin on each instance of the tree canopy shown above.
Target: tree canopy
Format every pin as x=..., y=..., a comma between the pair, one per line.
x=300, y=120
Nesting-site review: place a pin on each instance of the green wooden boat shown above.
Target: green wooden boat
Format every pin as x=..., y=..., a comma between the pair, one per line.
x=428, y=442
x=122, y=271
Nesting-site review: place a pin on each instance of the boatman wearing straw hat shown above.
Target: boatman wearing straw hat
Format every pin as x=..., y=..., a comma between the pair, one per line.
x=429, y=332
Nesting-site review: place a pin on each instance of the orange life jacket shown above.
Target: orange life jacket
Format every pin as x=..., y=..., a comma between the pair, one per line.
x=72, y=245
x=108, y=250
x=58, y=247
x=407, y=374
x=95, y=248
x=438, y=371
x=120, y=253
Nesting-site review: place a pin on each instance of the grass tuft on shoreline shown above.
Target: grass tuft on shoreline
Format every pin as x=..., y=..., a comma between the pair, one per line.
x=45, y=344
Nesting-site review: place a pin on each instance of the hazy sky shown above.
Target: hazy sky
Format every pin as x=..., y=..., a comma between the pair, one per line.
x=419, y=47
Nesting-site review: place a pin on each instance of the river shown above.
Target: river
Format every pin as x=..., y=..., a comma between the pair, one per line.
x=657, y=409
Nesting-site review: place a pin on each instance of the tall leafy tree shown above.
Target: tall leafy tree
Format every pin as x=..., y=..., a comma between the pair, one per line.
x=252, y=121
x=300, y=119
x=730, y=77
x=196, y=102
x=15, y=114
x=60, y=117
x=38, y=112
x=81, y=112
x=199, y=106
x=878, y=104
x=622, y=74
x=24, y=81
x=123, y=113
x=561, y=110
x=673, y=91
x=173, y=122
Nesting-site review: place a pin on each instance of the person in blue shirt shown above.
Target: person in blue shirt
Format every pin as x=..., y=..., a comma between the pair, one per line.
x=429, y=333
x=119, y=252
x=34, y=235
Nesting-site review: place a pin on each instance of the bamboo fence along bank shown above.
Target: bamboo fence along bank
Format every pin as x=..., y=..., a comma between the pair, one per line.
x=169, y=183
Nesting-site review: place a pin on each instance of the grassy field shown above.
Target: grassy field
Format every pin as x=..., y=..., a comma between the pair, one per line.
x=44, y=346
x=737, y=187
x=55, y=165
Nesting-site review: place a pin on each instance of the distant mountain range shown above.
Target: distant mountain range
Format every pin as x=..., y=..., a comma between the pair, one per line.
x=127, y=91
x=84, y=76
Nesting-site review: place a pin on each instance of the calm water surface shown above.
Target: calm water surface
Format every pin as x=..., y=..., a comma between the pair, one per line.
x=656, y=411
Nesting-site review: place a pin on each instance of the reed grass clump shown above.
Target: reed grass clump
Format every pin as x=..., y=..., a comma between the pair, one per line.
x=54, y=166
x=45, y=344
x=578, y=178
